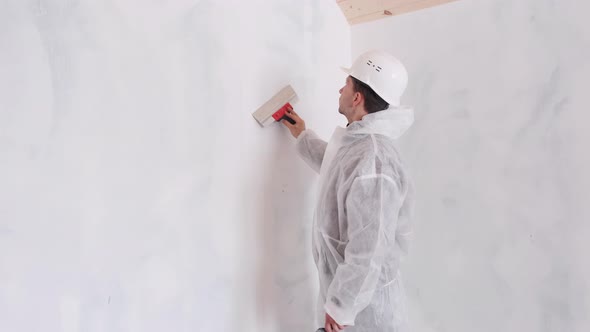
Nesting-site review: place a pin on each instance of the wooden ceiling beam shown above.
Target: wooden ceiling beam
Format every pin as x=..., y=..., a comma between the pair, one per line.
x=360, y=11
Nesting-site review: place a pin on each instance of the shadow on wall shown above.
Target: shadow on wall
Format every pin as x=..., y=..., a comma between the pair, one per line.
x=284, y=277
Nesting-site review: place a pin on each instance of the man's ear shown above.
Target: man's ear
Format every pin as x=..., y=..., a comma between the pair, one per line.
x=358, y=98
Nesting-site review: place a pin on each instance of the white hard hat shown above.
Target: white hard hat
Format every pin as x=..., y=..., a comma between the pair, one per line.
x=383, y=73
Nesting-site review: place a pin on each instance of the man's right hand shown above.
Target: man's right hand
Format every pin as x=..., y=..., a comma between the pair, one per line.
x=331, y=325
x=299, y=126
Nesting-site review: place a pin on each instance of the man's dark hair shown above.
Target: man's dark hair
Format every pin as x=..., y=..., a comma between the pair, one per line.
x=373, y=103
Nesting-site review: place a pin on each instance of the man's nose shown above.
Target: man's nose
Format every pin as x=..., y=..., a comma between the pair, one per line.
x=340, y=91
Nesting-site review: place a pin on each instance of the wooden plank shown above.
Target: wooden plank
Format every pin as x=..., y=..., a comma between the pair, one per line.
x=360, y=11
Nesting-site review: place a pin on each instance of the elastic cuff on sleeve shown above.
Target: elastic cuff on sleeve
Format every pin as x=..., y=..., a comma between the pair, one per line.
x=338, y=314
x=302, y=135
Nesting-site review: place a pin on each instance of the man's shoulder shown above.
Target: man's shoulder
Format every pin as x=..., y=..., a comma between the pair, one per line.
x=371, y=146
x=371, y=153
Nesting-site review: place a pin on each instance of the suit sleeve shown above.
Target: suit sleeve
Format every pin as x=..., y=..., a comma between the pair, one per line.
x=311, y=149
x=372, y=207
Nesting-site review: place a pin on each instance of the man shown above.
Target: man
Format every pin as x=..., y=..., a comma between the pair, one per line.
x=362, y=216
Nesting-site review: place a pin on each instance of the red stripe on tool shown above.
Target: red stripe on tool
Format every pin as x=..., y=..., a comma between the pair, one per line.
x=281, y=112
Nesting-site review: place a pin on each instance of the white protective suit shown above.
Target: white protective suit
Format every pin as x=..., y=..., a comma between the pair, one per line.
x=362, y=221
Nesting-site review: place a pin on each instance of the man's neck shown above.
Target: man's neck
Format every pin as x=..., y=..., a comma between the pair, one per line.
x=356, y=116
